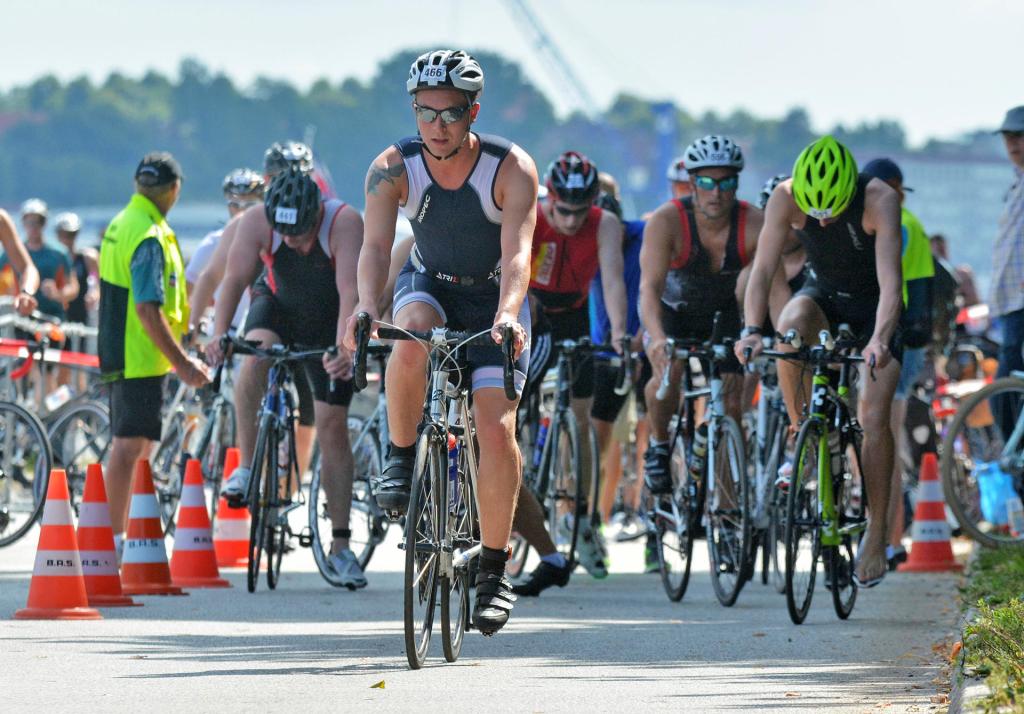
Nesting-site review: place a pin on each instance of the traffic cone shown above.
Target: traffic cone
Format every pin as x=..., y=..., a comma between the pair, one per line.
x=57, y=591
x=144, y=569
x=231, y=530
x=194, y=562
x=931, y=550
x=96, y=545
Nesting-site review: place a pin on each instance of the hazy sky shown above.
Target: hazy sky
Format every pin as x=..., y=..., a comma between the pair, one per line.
x=938, y=66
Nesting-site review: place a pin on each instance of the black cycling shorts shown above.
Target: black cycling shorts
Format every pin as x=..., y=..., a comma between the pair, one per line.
x=135, y=407
x=314, y=330
x=467, y=308
x=689, y=325
x=608, y=404
x=552, y=328
x=843, y=308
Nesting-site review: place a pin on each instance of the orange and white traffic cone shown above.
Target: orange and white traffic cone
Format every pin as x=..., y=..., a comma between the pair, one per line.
x=144, y=569
x=231, y=530
x=57, y=591
x=96, y=545
x=194, y=562
x=931, y=550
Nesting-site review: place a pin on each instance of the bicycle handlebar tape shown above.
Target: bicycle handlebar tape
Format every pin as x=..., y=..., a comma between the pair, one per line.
x=57, y=591
x=931, y=550
x=508, y=348
x=231, y=526
x=144, y=568
x=363, y=325
x=96, y=545
x=194, y=561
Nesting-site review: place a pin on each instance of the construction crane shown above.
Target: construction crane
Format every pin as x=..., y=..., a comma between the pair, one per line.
x=570, y=85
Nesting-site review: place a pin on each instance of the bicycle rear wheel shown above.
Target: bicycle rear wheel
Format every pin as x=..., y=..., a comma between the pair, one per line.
x=463, y=532
x=972, y=464
x=848, y=492
x=80, y=435
x=564, y=500
x=728, y=515
x=676, y=517
x=219, y=434
x=423, y=546
x=25, y=463
x=803, y=528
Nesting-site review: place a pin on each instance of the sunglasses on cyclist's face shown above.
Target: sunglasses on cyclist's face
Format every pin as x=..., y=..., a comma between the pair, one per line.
x=567, y=211
x=449, y=115
x=725, y=185
x=243, y=205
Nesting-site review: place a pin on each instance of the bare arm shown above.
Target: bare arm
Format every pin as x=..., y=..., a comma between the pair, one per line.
x=242, y=266
x=883, y=216
x=399, y=255
x=655, y=256
x=609, y=246
x=346, y=242
x=17, y=255
x=517, y=184
x=213, y=273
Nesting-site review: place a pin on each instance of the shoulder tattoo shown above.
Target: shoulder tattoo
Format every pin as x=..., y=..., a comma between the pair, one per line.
x=379, y=175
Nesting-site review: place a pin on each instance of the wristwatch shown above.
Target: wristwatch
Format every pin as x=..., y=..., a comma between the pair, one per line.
x=751, y=330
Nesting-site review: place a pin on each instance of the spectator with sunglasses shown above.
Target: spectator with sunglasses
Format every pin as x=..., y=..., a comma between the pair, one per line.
x=573, y=239
x=693, y=251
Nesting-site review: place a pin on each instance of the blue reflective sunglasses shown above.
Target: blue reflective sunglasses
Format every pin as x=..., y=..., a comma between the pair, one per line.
x=725, y=185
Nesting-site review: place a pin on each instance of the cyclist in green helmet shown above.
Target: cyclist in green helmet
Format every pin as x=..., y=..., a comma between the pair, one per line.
x=849, y=225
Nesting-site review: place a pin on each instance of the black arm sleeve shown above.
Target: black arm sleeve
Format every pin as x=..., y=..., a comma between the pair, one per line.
x=917, y=317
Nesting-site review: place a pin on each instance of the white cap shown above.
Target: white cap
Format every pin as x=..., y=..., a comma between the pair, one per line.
x=34, y=207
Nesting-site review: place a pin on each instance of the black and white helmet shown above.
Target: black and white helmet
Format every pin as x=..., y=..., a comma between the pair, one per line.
x=292, y=202
x=677, y=170
x=68, y=222
x=242, y=182
x=441, y=69
x=768, y=187
x=279, y=157
x=713, y=150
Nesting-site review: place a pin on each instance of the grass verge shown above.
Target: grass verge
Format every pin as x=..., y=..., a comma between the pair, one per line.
x=994, y=641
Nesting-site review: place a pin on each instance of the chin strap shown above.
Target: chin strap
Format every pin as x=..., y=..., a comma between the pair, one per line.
x=445, y=158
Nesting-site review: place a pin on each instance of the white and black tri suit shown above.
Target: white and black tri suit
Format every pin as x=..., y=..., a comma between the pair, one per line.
x=296, y=297
x=455, y=265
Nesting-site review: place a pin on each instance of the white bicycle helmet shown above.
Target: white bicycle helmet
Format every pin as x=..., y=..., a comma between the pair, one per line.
x=68, y=222
x=677, y=170
x=34, y=207
x=454, y=69
x=713, y=150
x=768, y=187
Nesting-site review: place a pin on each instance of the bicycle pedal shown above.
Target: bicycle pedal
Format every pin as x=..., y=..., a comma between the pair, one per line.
x=306, y=538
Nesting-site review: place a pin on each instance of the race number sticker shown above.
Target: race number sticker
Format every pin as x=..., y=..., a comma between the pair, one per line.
x=544, y=263
x=434, y=74
x=574, y=181
x=289, y=216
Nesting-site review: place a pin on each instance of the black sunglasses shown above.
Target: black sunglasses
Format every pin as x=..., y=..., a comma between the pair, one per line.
x=449, y=115
x=563, y=211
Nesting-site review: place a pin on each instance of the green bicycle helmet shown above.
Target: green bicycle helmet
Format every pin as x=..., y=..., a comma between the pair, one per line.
x=824, y=178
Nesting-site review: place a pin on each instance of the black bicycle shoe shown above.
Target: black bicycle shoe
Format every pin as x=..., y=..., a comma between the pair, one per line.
x=494, y=600
x=657, y=475
x=395, y=483
x=543, y=577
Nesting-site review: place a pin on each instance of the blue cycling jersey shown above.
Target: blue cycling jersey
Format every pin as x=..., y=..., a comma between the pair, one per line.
x=600, y=325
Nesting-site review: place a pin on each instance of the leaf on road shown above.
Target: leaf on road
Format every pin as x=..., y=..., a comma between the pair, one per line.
x=957, y=646
x=378, y=685
x=792, y=694
x=940, y=699
x=760, y=634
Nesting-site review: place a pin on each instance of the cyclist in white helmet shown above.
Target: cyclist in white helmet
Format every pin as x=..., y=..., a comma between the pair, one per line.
x=472, y=201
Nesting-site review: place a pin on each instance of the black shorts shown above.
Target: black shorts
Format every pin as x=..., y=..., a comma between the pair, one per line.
x=843, y=308
x=471, y=309
x=135, y=406
x=552, y=328
x=688, y=325
x=608, y=404
x=312, y=331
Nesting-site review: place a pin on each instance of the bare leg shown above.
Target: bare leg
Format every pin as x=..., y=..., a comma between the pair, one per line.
x=877, y=459
x=305, y=437
x=896, y=515
x=803, y=315
x=406, y=378
x=611, y=466
x=501, y=464
x=581, y=408
x=249, y=390
x=124, y=452
x=336, y=466
x=529, y=521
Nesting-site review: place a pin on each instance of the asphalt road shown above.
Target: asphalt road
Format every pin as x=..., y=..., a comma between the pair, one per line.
x=612, y=645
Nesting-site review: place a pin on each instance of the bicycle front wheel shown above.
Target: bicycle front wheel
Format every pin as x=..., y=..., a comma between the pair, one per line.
x=803, y=528
x=728, y=514
x=676, y=518
x=848, y=492
x=423, y=545
x=463, y=529
x=257, y=498
x=977, y=476
x=25, y=463
x=564, y=501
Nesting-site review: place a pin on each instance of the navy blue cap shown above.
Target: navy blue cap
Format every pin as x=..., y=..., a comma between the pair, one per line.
x=885, y=170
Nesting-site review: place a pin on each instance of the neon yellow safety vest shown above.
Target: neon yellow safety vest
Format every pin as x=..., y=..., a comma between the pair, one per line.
x=917, y=251
x=126, y=350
